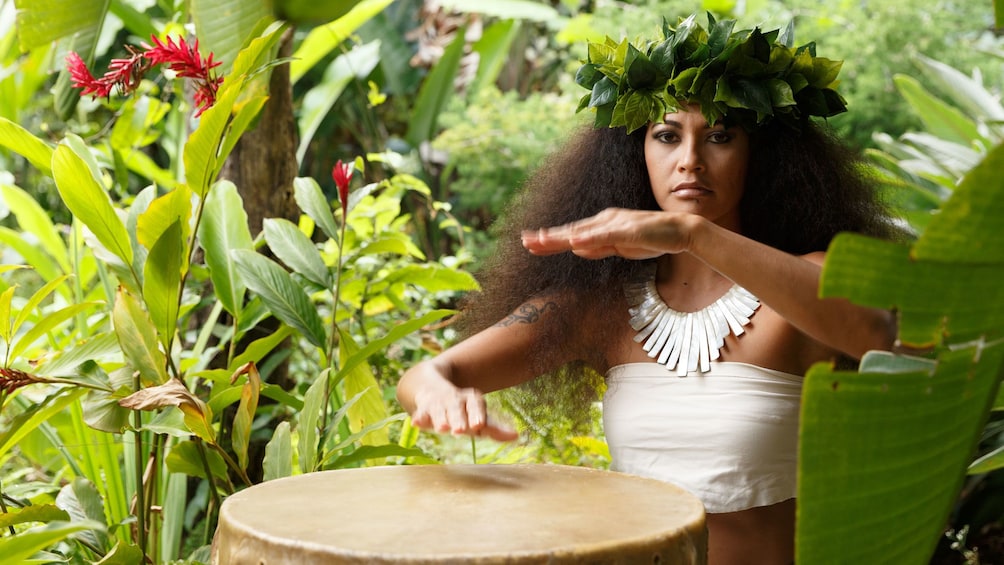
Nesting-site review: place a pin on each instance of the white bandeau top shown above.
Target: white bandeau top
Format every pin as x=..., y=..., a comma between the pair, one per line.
x=729, y=436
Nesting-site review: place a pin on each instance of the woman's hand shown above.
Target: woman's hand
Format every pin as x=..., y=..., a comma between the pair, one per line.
x=438, y=405
x=632, y=234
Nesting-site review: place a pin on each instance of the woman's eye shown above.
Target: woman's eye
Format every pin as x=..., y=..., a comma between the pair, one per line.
x=666, y=137
x=719, y=137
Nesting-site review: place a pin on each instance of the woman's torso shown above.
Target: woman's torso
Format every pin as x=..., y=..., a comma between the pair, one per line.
x=728, y=436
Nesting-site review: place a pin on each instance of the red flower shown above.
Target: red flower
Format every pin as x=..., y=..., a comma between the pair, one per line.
x=82, y=77
x=187, y=62
x=342, y=175
x=183, y=59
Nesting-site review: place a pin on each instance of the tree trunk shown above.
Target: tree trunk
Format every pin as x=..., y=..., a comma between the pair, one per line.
x=263, y=163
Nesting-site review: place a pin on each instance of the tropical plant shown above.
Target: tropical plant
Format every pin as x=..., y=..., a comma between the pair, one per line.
x=962, y=121
x=125, y=327
x=884, y=451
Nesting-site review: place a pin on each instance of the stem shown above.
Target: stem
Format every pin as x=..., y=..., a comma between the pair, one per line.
x=3, y=508
x=232, y=464
x=214, y=496
x=153, y=469
x=334, y=337
x=232, y=348
x=140, y=495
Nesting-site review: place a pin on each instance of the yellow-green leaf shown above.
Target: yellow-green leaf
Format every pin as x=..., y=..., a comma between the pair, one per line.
x=370, y=408
x=138, y=338
x=89, y=202
x=162, y=282
x=244, y=418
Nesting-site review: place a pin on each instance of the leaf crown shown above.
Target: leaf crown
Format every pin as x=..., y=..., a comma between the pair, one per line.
x=745, y=77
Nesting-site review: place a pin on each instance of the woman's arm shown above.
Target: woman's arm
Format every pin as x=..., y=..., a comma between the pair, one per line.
x=786, y=283
x=445, y=393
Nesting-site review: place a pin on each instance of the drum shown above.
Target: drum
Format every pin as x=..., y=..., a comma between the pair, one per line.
x=480, y=514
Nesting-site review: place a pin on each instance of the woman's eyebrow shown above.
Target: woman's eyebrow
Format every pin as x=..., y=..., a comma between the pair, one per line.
x=679, y=125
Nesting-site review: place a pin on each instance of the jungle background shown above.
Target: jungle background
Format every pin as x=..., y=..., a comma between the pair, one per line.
x=193, y=305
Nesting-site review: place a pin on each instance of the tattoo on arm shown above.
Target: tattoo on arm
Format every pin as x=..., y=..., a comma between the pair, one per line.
x=527, y=314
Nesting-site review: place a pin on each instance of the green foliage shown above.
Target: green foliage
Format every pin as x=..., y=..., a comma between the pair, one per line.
x=515, y=132
x=138, y=341
x=921, y=417
x=880, y=39
x=749, y=76
x=143, y=276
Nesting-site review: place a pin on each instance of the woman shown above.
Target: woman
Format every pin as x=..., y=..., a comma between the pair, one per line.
x=720, y=211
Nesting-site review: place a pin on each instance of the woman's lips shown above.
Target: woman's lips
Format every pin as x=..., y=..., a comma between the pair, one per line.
x=690, y=190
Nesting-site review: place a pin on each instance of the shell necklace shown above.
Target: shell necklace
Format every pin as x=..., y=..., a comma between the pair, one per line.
x=686, y=341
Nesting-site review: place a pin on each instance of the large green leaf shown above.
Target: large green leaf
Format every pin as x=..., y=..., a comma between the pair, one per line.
x=940, y=119
x=15, y=550
x=278, y=462
x=162, y=282
x=163, y=213
x=40, y=22
x=45, y=325
x=21, y=141
x=370, y=408
x=306, y=427
x=968, y=94
x=322, y=40
x=310, y=198
x=185, y=458
x=224, y=227
x=436, y=91
x=35, y=220
x=82, y=502
x=883, y=453
x=137, y=336
x=77, y=23
x=285, y=299
x=432, y=277
x=970, y=226
x=29, y=307
x=88, y=201
x=933, y=300
x=882, y=456
x=34, y=513
x=244, y=417
x=292, y=247
x=39, y=412
x=33, y=255
x=208, y=146
x=396, y=333
x=357, y=64
x=493, y=52
x=223, y=25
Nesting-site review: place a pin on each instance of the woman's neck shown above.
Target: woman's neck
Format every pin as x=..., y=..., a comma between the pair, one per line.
x=688, y=284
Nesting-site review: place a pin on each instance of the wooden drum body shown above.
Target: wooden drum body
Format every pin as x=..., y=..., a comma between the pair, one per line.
x=461, y=514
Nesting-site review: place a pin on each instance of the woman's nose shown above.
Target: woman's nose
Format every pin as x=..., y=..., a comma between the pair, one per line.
x=690, y=157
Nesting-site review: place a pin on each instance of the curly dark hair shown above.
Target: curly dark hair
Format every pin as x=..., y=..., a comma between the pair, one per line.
x=802, y=188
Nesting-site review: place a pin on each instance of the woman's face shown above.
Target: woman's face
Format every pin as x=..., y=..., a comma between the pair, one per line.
x=697, y=168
